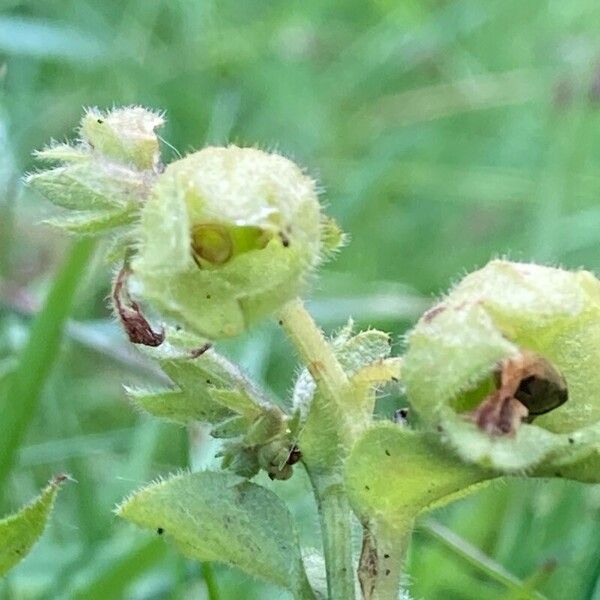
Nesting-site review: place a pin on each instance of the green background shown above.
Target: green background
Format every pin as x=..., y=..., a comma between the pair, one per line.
x=442, y=133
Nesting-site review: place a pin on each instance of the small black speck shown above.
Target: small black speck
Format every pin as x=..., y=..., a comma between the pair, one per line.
x=440, y=428
x=177, y=327
x=285, y=242
x=395, y=379
x=208, y=296
x=367, y=487
x=17, y=551
x=99, y=121
x=280, y=322
x=387, y=453
x=386, y=556
x=209, y=382
x=160, y=531
x=387, y=571
x=571, y=441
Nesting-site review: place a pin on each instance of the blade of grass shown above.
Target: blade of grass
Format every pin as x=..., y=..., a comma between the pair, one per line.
x=479, y=560
x=19, y=403
x=112, y=579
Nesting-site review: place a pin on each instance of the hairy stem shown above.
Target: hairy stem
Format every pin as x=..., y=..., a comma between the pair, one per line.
x=382, y=561
x=336, y=530
x=316, y=353
x=335, y=388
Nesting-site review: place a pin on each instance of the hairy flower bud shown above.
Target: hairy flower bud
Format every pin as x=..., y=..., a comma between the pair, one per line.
x=506, y=366
x=228, y=236
x=105, y=176
x=124, y=134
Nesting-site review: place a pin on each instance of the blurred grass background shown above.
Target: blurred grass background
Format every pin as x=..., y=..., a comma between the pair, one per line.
x=444, y=133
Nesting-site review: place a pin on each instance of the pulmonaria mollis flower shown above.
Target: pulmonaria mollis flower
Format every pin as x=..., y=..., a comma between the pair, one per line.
x=229, y=235
x=506, y=367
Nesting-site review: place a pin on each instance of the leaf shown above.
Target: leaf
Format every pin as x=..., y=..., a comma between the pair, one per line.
x=393, y=474
x=213, y=390
x=177, y=406
x=92, y=222
x=363, y=349
x=62, y=153
x=221, y=517
x=20, y=531
x=90, y=185
x=209, y=387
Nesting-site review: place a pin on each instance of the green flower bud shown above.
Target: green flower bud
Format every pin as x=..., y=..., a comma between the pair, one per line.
x=103, y=178
x=227, y=237
x=124, y=134
x=506, y=367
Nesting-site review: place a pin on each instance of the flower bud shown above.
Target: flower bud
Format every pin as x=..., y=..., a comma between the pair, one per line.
x=104, y=177
x=506, y=366
x=228, y=236
x=125, y=135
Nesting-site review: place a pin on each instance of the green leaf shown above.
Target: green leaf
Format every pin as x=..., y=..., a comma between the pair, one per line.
x=209, y=387
x=363, y=349
x=90, y=185
x=20, y=531
x=87, y=223
x=221, y=517
x=393, y=474
x=213, y=390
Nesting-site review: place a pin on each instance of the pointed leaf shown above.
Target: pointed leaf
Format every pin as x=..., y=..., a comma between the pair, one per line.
x=210, y=388
x=63, y=153
x=90, y=185
x=221, y=517
x=21, y=530
x=177, y=406
x=92, y=222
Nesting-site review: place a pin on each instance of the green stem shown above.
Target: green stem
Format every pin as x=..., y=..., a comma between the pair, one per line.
x=19, y=405
x=336, y=530
x=382, y=561
x=304, y=591
x=335, y=389
x=316, y=353
x=210, y=580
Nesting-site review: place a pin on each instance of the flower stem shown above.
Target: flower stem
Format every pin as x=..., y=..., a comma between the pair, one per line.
x=336, y=530
x=382, y=561
x=314, y=350
x=335, y=389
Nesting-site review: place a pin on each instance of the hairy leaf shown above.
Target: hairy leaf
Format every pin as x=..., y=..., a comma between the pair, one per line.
x=221, y=517
x=393, y=474
x=21, y=530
